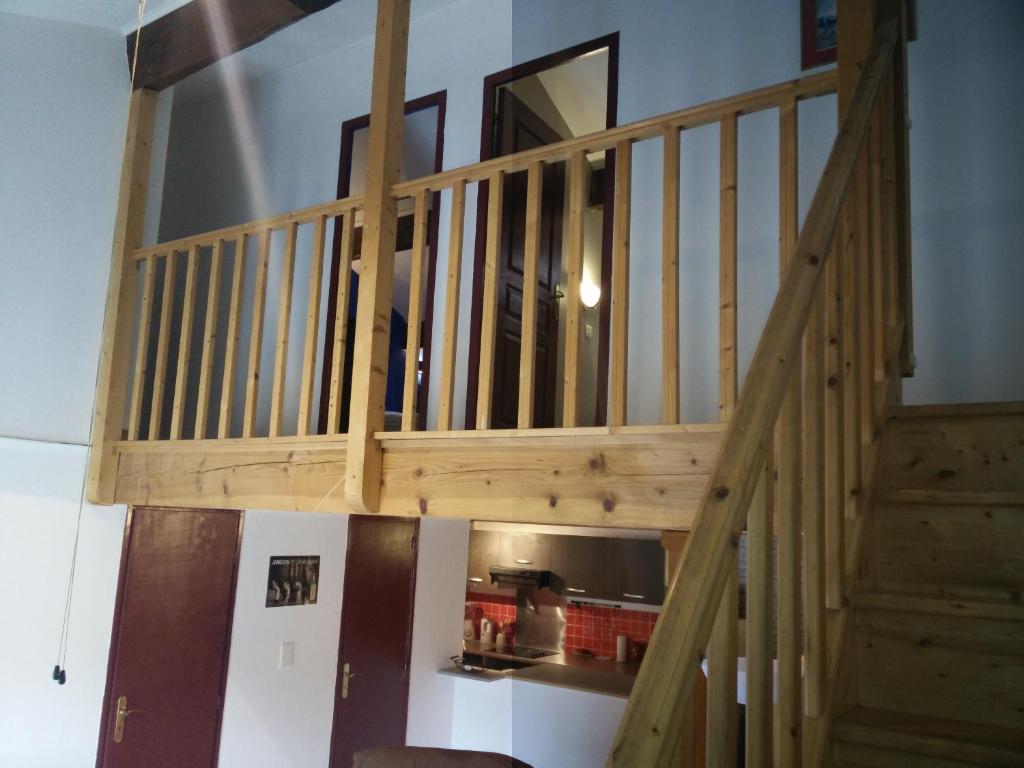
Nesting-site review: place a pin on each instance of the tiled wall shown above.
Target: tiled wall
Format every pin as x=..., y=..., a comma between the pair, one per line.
x=593, y=627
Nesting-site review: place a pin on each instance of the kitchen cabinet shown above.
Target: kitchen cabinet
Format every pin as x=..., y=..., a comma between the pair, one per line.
x=636, y=571
x=484, y=551
x=581, y=562
x=526, y=550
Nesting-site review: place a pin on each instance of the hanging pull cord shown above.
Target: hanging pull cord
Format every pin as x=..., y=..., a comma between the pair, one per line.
x=59, y=673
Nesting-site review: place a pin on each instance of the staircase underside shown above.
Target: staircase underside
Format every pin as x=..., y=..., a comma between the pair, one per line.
x=629, y=477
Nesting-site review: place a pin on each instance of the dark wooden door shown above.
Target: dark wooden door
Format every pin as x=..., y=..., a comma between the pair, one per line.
x=371, y=696
x=169, y=649
x=519, y=128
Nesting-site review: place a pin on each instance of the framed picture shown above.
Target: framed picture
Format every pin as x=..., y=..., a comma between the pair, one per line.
x=818, y=38
x=817, y=32
x=292, y=580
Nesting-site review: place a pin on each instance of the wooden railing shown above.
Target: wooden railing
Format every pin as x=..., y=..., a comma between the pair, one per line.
x=573, y=154
x=817, y=389
x=159, y=387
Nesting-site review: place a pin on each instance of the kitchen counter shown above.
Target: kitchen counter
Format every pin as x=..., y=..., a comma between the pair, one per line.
x=564, y=670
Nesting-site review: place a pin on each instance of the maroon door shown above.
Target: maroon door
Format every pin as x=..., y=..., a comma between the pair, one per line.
x=519, y=129
x=371, y=696
x=172, y=630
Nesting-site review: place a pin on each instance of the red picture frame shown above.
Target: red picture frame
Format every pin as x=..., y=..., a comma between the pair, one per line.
x=817, y=33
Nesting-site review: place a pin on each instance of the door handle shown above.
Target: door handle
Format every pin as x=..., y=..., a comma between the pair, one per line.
x=346, y=675
x=120, y=716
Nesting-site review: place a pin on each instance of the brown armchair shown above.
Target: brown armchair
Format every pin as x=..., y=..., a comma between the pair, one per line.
x=424, y=757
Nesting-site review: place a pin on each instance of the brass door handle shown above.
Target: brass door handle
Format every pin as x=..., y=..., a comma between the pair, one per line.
x=346, y=675
x=120, y=716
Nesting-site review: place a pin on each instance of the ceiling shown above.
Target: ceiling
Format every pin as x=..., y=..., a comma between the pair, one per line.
x=119, y=15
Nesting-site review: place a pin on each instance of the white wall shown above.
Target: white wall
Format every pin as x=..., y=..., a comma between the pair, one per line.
x=275, y=716
x=63, y=105
x=42, y=724
x=63, y=101
x=967, y=201
x=542, y=725
x=437, y=629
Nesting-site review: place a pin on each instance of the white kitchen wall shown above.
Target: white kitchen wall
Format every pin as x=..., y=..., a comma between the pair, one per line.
x=63, y=102
x=275, y=716
x=437, y=629
x=42, y=724
x=63, y=105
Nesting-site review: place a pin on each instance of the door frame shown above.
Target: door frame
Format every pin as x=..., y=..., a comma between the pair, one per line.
x=349, y=127
x=492, y=83
x=122, y=575
x=341, y=623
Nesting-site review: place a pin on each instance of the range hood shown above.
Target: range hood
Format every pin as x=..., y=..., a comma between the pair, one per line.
x=518, y=578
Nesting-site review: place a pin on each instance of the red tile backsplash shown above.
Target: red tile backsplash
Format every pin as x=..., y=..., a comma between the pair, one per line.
x=593, y=627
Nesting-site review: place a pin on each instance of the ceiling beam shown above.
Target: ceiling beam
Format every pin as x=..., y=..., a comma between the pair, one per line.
x=182, y=42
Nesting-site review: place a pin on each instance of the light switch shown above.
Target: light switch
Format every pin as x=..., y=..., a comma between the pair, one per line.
x=588, y=330
x=287, y=659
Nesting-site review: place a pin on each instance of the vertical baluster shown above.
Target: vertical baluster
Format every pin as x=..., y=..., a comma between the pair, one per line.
x=142, y=346
x=316, y=275
x=420, y=220
x=620, y=284
x=835, y=478
x=209, y=341
x=723, y=711
x=759, y=624
x=489, y=316
x=877, y=249
x=451, y=306
x=528, y=330
x=284, y=314
x=670, y=277
x=259, y=300
x=864, y=304
x=162, y=344
x=728, y=383
x=787, y=505
x=851, y=356
x=815, y=652
x=227, y=392
x=184, y=344
x=891, y=212
x=574, y=274
x=340, y=323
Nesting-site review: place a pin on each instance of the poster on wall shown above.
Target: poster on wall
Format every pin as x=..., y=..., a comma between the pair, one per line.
x=292, y=580
x=818, y=32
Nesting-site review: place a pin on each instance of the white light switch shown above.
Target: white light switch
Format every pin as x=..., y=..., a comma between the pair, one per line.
x=287, y=659
x=588, y=331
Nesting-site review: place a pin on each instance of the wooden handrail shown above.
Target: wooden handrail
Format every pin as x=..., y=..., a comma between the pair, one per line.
x=771, y=96
x=646, y=734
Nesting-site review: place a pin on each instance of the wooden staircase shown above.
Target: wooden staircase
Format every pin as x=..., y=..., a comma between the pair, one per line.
x=939, y=621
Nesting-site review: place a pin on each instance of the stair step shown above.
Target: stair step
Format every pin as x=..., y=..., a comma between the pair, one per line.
x=912, y=602
x=950, y=742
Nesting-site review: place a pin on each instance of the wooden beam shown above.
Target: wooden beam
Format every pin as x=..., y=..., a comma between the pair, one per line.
x=142, y=347
x=421, y=221
x=122, y=287
x=760, y=619
x=209, y=341
x=617, y=407
x=670, y=277
x=259, y=299
x=316, y=273
x=202, y=32
x=728, y=374
x=373, y=313
x=160, y=372
x=183, y=362
x=449, y=343
x=723, y=713
x=574, y=275
x=284, y=314
x=227, y=392
x=531, y=261
x=340, y=322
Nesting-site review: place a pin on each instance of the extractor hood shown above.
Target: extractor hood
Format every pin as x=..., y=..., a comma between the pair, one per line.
x=516, y=578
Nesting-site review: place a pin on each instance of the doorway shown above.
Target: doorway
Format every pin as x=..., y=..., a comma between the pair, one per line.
x=565, y=94
x=371, y=696
x=422, y=154
x=172, y=633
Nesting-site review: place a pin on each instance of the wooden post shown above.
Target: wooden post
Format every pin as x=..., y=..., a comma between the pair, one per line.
x=420, y=221
x=115, y=344
x=373, y=313
x=728, y=376
x=620, y=283
x=670, y=277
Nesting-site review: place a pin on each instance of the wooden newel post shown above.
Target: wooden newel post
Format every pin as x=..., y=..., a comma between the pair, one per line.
x=115, y=344
x=370, y=354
